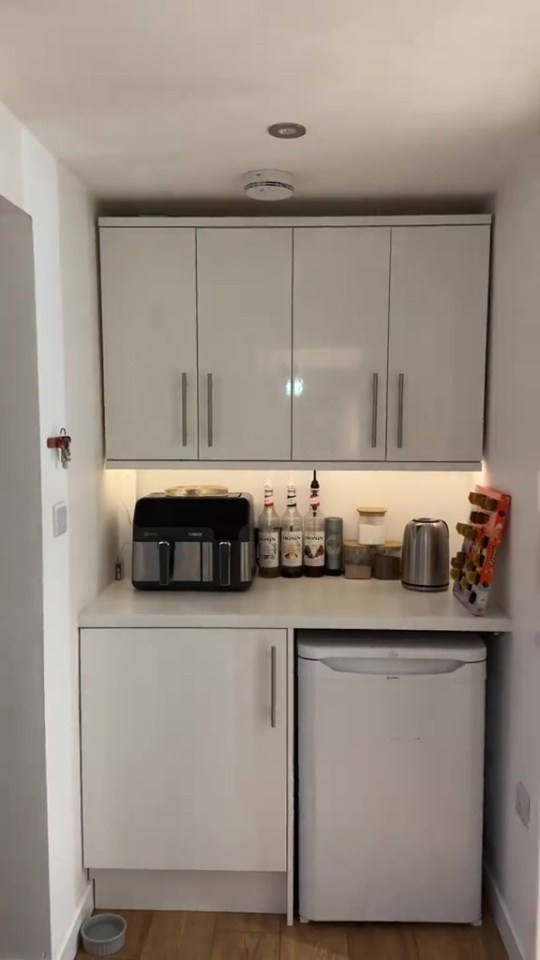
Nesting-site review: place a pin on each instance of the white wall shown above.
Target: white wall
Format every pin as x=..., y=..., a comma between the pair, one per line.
x=24, y=873
x=40, y=196
x=513, y=465
x=75, y=566
x=405, y=494
x=92, y=541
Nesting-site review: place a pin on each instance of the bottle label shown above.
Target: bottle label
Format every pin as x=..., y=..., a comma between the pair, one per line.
x=314, y=500
x=291, y=548
x=314, y=549
x=333, y=545
x=269, y=549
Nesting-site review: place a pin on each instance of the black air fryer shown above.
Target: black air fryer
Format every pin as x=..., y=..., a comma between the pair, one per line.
x=193, y=543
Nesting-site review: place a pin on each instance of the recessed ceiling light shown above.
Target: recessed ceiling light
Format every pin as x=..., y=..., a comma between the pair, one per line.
x=287, y=131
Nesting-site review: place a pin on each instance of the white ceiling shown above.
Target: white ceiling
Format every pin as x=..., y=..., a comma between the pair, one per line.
x=171, y=98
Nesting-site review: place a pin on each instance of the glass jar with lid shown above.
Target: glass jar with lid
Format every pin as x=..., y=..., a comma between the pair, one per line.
x=387, y=562
x=371, y=525
x=357, y=560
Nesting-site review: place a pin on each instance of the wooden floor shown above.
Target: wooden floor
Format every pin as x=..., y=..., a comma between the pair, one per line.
x=244, y=936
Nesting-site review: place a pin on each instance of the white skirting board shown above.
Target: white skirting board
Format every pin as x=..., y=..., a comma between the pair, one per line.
x=502, y=917
x=190, y=890
x=71, y=943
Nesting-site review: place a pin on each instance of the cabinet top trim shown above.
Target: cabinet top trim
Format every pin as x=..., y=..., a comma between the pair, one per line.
x=401, y=221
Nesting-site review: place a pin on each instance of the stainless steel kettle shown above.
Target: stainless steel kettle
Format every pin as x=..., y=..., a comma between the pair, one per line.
x=425, y=561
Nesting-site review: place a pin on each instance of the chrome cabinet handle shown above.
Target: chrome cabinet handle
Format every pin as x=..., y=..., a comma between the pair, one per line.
x=273, y=654
x=184, y=409
x=401, y=392
x=210, y=390
x=374, y=409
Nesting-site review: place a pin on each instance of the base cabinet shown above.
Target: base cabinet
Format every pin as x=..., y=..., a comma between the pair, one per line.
x=184, y=749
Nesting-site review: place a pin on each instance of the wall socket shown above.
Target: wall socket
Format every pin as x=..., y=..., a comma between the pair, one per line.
x=523, y=804
x=60, y=518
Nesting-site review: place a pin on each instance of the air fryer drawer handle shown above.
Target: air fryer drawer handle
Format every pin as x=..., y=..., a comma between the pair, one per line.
x=164, y=550
x=225, y=563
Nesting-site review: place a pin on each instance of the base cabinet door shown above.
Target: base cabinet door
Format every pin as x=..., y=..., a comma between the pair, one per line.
x=184, y=749
x=437, y=349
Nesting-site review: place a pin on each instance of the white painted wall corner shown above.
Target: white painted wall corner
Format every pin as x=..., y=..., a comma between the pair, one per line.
x=502, y=917
x=69, y=948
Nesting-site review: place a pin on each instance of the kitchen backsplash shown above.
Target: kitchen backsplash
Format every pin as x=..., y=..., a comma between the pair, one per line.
x=405, y=494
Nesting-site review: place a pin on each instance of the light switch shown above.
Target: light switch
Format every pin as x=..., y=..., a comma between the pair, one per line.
x=59, y=512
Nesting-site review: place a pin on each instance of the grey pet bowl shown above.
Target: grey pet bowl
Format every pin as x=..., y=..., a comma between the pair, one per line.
x=103, y=934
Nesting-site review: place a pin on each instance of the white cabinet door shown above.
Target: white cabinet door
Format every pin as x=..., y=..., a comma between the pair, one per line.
x=148, y=296
x=437, y=350
x=244, y=311
x=340, y=342
x=182, y=767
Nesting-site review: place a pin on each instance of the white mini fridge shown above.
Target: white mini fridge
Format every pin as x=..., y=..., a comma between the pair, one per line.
x=390, y=777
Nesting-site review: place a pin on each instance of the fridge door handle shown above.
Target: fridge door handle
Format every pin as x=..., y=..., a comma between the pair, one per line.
x=392, y=667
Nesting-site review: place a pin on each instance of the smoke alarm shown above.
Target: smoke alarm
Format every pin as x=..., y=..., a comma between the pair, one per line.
x=268, y=184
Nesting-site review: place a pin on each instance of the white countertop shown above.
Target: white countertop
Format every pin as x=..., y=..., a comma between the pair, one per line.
x=326, y=604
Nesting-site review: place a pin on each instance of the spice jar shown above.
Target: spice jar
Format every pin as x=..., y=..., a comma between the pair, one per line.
x=371, y=525
x=388, y=561
x=356, y=560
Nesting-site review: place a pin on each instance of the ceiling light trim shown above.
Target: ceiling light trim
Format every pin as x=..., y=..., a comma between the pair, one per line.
x=287, y=131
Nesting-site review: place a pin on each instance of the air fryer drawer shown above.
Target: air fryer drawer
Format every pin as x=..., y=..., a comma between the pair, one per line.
x=190, y=562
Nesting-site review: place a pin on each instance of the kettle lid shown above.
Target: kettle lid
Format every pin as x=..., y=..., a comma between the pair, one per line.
x=427, y=520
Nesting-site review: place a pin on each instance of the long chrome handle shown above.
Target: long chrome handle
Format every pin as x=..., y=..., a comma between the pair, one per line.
x=374, y=409
x=184, y=409
x=273, y=654
x=401, y=392
x=210, y=390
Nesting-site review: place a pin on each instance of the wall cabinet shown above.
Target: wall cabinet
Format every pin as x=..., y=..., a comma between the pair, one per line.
x=340, y=342
x=245, y=329
x=310, y=342
x=148, y=297
x=437, y=345
x=184, y=749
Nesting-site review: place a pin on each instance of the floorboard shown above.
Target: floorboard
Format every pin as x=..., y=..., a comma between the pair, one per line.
x=245, y=946
x=377, y=941
x=181, y=935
